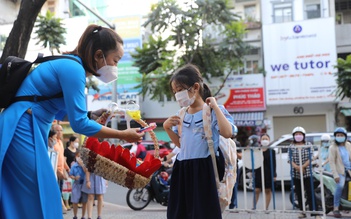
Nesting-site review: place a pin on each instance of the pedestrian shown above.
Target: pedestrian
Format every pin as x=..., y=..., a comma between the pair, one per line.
x=301, y=167
x=77, y=174
x=70, y=150
x=23, y=157
x=322, y=157
x=269, y=172
x=193, y=191
x=234, y=200
x=94, y=186
x=339, y=160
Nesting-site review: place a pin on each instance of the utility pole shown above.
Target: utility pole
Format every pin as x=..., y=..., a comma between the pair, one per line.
x=114, y=120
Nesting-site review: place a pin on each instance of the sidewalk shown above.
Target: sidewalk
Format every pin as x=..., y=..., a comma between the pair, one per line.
x=112, y=211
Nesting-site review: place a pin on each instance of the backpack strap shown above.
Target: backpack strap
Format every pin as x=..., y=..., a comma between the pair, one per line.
x=35, y=98
x=181, y=115
x=206, y=118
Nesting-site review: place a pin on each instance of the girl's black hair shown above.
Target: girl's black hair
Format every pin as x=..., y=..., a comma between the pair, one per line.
x=187, y=76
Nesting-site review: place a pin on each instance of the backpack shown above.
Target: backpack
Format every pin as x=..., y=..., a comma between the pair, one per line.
x=12, y=73
x=227, y=148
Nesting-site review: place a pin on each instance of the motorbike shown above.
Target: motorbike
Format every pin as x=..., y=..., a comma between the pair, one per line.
x=329, y=186
x=157, y=189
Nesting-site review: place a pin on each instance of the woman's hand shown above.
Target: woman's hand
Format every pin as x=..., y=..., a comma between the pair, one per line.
x=131, y=135
x=94, y=115
x=171, y=121
x=88, y=184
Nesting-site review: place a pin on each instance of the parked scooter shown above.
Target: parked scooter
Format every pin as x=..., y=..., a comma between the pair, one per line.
x=157, y=189
x=329, y=185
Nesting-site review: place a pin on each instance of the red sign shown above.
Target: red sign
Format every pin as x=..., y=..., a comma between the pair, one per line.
x=245, y=99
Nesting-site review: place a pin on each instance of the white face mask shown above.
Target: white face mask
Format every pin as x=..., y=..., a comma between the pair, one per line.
x=108, y=73
x=183, y=98
x=264, y=143
x=76, y=144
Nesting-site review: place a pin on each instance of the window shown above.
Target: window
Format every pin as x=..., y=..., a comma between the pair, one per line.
x=282, y=12
x=313, y=11
x=251, y=66
x=250, y=12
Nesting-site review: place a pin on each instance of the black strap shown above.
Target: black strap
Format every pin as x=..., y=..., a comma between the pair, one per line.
x=36, y=98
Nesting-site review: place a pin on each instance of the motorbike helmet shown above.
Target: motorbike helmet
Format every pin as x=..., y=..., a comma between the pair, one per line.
x=253, y=141
x=340, y=130
x=299, y=129
x=325, y=140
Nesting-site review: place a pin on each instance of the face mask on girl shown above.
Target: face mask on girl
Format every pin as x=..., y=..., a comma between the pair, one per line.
x=76, y=144
x=298, y=138
x=183, y=98
x=264, y=143
x=340, y=139
x=108, y=73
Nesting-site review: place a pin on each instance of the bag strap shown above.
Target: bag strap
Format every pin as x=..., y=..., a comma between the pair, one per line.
x=206, y=117
x=35, y=98
x=181, y=116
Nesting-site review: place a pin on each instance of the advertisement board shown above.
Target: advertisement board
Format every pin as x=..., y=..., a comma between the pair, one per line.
x=243, y=93
x=299, y=59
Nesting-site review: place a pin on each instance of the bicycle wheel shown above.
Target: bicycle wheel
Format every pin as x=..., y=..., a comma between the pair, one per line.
x=138, y=199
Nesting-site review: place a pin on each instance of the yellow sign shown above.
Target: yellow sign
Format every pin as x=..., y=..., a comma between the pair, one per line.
x=128, y=27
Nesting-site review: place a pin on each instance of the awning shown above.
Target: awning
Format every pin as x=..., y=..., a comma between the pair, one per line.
x=346, y=112
x=248, y=119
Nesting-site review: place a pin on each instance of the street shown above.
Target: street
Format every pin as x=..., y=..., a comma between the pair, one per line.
x=115, y=206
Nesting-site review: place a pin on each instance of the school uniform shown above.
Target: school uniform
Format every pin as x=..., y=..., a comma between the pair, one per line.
x=193, y=191
x=77, y=194
x=97, y=185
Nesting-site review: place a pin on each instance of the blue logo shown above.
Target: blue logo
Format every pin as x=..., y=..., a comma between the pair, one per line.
x=297, y=29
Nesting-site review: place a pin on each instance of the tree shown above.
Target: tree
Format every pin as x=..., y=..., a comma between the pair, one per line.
x=17, y=42
x=344, y=77
x=50, y=32
x=202, y=32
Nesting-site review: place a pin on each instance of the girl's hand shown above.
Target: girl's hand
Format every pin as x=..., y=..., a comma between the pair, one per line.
x=88, y=185
x=132, y=135
x=211, y=101
x=171, y=121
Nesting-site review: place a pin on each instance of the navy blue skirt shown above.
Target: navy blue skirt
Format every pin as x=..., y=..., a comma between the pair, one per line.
x=193, y=192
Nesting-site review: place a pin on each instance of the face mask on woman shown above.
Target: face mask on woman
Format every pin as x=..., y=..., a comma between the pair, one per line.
x=183, y=98
x=298, y=138
x=340, y=139
x=264, y=143
x=76, y=144
x=108, y=73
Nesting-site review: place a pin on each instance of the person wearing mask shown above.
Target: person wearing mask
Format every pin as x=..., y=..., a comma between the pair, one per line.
x=301, y=168
x=193, y=191
x=269, y=171
x=53, y=89
x=339, y=160
x=71, y=149
x=322, y=157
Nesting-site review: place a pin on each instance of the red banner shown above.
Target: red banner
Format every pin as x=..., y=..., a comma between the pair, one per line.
x=245, y=99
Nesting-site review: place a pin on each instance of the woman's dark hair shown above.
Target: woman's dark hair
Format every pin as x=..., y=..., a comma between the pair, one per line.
x=71, y=139
x=94, y=38
x=187, y=76
x=52, y=133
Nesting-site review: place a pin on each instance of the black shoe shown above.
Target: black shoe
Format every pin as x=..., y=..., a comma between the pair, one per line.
x=231, y=206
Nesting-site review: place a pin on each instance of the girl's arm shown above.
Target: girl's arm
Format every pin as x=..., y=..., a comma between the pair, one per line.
x=226, y=129
x=168, y=124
